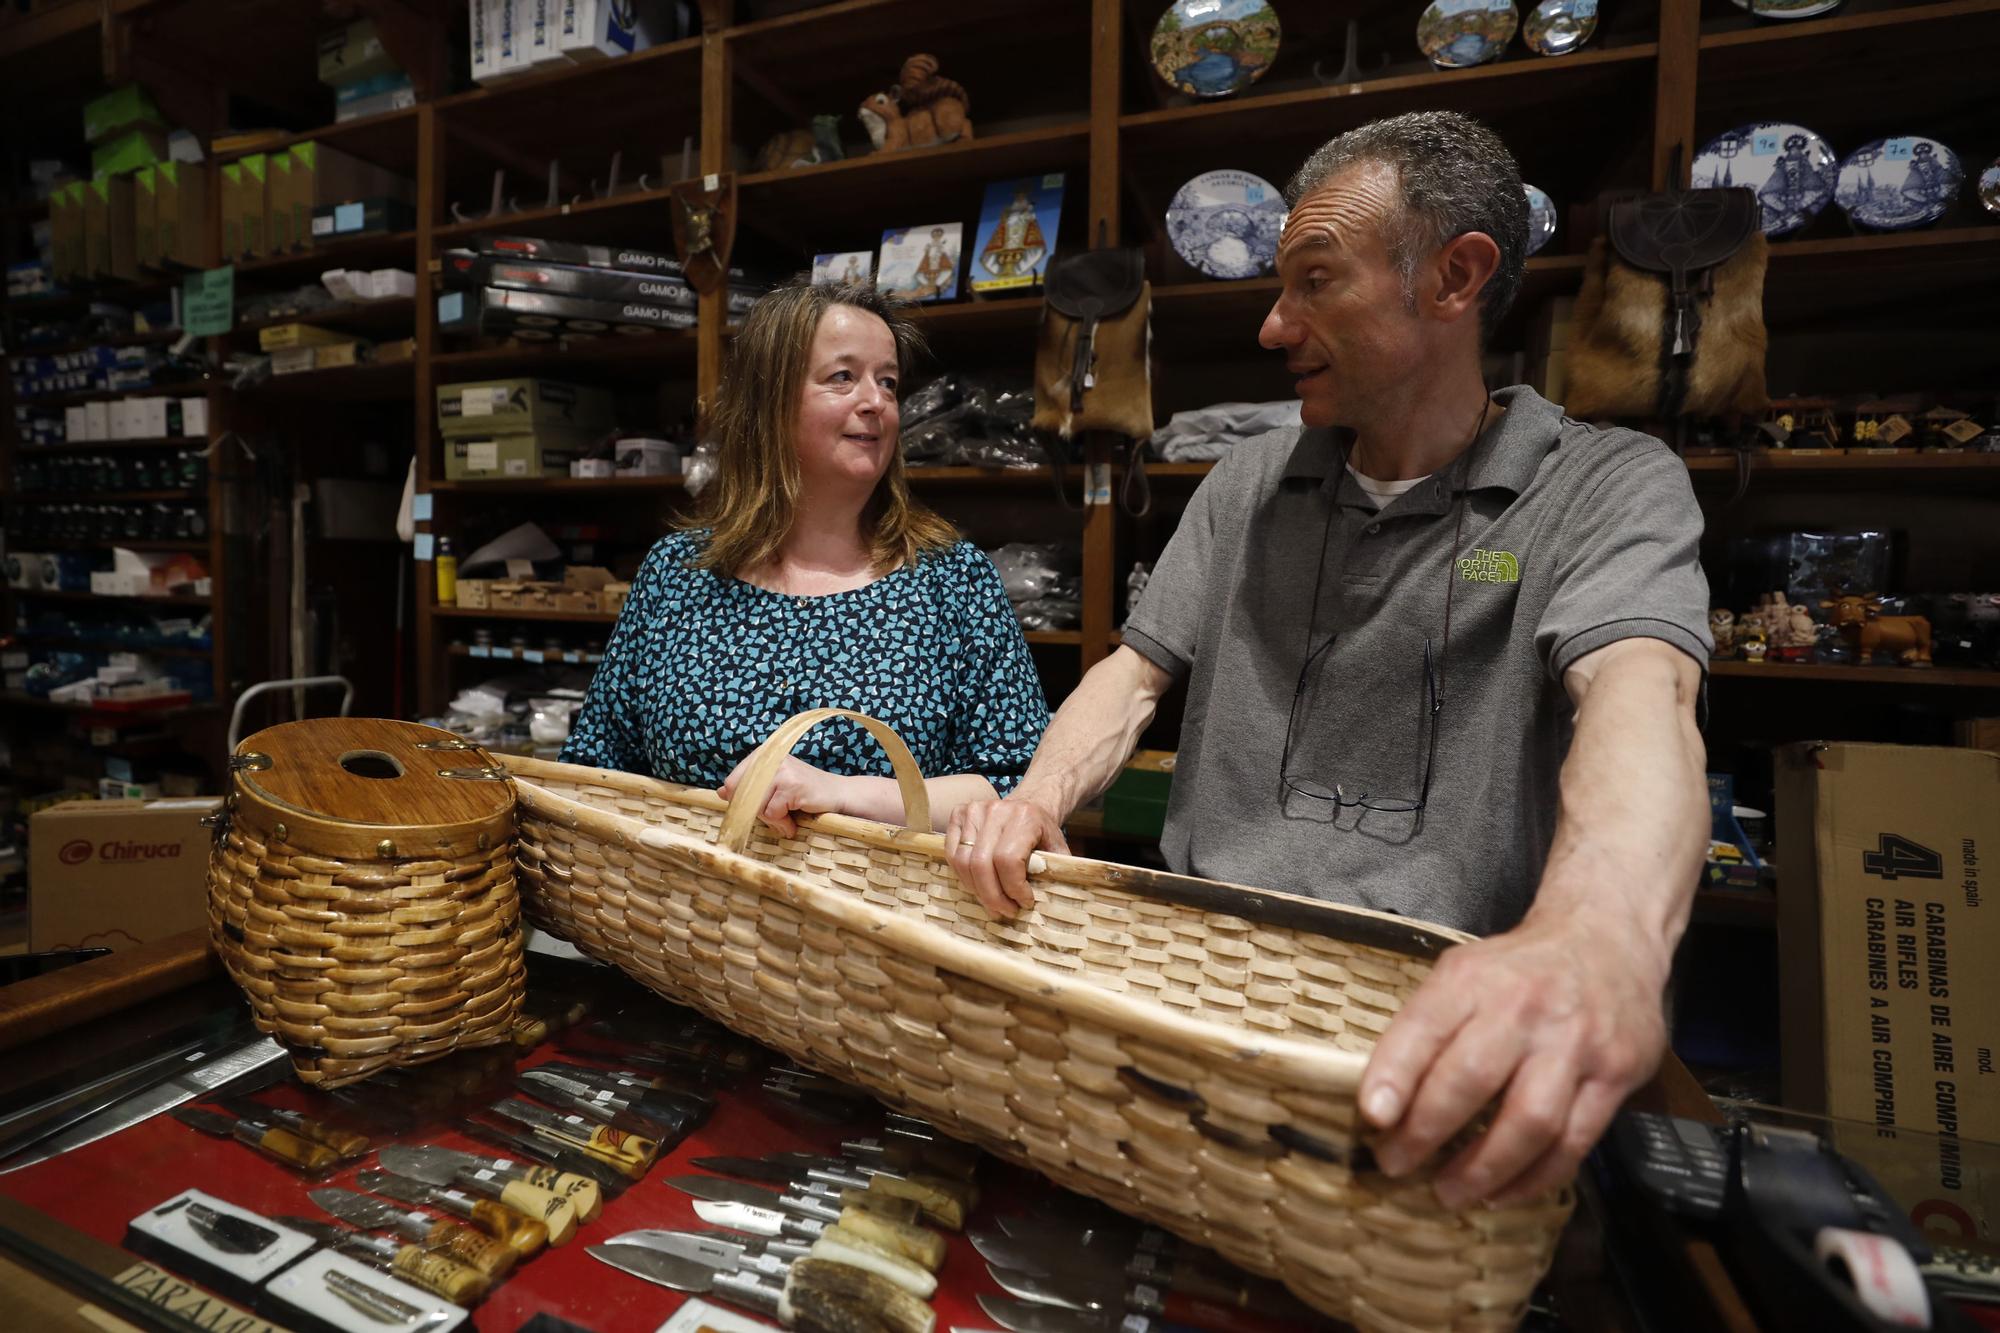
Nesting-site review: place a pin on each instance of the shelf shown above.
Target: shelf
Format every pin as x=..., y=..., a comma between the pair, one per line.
x=960, y=476
x=153, y=338
x=99, y=599
x=583, y=219
x=91, y=446
x=94, y=497
x=369, y=382
x=635, y=355
x=398, y=313
x=36, y=643
x=1073, y=637
x=498, y=653
x=397, y=250
x=1843, y=31
x=389, y=140
x=1219, y=308
x=1794, y=672
x=1848, y=471
x=564, y=485
x=187, y=389
x=562, y=617
x=191, y=547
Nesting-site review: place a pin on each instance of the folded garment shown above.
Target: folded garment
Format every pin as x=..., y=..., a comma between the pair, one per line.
x=1205, y=434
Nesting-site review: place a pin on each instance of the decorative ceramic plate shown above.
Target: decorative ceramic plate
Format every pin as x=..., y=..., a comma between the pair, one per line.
x=1897, y=184
x=1558, y=27
x=1457, y=34
x=1788, y=9
x=1541, y=219
x=1989, y=188
x=1213, y=48
x=1226, y=223
x=1791, y=169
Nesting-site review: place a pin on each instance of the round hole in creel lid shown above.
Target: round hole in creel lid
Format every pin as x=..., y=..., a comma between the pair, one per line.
x=371, y=764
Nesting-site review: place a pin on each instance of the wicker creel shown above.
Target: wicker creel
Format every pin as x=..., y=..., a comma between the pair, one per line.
x=1184, y=1050
x=361, y=891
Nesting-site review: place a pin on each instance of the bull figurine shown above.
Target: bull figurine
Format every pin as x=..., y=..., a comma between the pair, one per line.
x=1861, y=623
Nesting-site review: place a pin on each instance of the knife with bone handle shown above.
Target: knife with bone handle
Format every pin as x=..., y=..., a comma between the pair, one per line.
x=274, y=1142
x=836, y=1244
x=584, y=1195
x=432, y=1167
x=565, y=1161
x=461, y=1244
x=662, y=1089
x=648, y=1116
x=413, y=1263
x=942, y=1202
x=771, y=1213
x=348, y=1144
x=835, y=1195
x=520, y=1233
x=628, y=1154
x=816, y=1296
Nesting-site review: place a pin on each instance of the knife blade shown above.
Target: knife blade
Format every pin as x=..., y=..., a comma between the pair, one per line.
x=942, y=1202
x=518, y=1232
x=567, y=1161
x=628, y=1154
x=694, y=1104
x=669, y=1239
x=849, y=1192
x=907, y=1239
x=244, y=1062
x=435, y=1167
x=414, y=1264
x=280, y=1145
x=836, y=1245
x=652, y=1119
x=816, y=1294
x=906, y=1152
x=225, y=1231
x=583, y=1194
x=1153, y=1255
x=1111, y=1293
x=459, y=1243
x=1028, y=1317
x=344, y=1142
x=777, y=1228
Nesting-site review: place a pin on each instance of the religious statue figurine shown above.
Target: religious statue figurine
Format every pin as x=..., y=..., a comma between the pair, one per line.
x=1017, y=243
x=938, y=268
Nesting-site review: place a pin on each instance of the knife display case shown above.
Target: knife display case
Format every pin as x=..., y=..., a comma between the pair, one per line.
x=771, y=1193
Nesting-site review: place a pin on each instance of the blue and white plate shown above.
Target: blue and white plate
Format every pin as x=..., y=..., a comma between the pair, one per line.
x=1226, y=223
x=1791, y=169
x=1541, y=219
x=1457, y=34
x=1213, y=48
x=1989, y=188
x=1897, y=184
x=1788, y=9
x=1558, y=27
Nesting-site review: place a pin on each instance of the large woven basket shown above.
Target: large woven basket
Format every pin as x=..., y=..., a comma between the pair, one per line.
x=361, y=892
x=1184, y=1050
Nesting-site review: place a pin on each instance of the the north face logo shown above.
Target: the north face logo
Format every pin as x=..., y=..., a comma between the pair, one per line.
x=1484, y=566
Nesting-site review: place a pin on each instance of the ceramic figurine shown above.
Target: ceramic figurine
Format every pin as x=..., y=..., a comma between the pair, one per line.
x=1794, y=641
x=788, y=150
x=1869, y=632
x=922, y=109
x=1722, y=628
x=826, y=138
x=1754, y=644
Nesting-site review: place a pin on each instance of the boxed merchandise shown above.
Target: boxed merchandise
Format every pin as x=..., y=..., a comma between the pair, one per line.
x=472, y=593
x=194, y=417
x=117, y=873
x=332, y=356
x=253, y=204
x=124, y=108
x=352, y=53
x=291, y=360
x=232, y=211
x=183, y=212
x=146, y=216
x=66, y=231
x=278, y=227
x=544, y=452
x=1890, y=1009
x=544, y=315
x=128, y=152
x=110, y=247
x=646, y=458
x=321, y=176
x=297, y=335
x=621, y=257
x=588, y=30
x=611, y=598
x=594, y=284
x=497, y=407
x=379, y=216
x=375, y=96
x=402, y=349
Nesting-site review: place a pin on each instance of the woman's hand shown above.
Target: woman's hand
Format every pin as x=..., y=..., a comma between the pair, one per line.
x=800, y=787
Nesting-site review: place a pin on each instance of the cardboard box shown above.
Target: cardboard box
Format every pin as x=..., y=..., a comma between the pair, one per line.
x=622, y=258
x=379, y=216
x=128, y=152
x=543, y=315
x=542, y=453
x=66, y=231
x=594, y=284
x=270, y=339
x=117, y=873
x=146, y=216
x=333, y=356
x=352, y=53
x=232, y=211
x=1887, y=928
x=183, y=212
x=646, y=458
x=501, y=407
x=110, y=244
x=322, y=176
x=253, y=204
x=120, y=109
x=278, y=203
x=611, y=597
x=472, y=593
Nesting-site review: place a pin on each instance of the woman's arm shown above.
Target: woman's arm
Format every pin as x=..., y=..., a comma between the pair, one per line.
x=803, y=789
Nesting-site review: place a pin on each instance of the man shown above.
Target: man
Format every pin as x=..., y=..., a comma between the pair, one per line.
x=1443, y=654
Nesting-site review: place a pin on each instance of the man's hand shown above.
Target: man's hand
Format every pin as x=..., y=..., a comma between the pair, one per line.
x=1564, y=1016
x=988, y=843
x=800, y=787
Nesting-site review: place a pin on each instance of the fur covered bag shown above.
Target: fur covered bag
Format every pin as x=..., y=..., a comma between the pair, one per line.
x=1637, y=352
x=1092, y=357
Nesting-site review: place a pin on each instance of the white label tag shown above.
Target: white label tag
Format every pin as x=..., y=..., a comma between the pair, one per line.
x=1097, y=484
x=477, y=402
x=482, y=456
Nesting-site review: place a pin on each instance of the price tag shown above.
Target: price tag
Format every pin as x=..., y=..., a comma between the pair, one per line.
x=1097, y=484
x=420, y=507
x=1764, y=145
x=572, y=656
x=425, y=544
x=480, y=650
x=520, y=570
x=1898, y=150
x=531, y=654
x=711, y=181
x=208, y=302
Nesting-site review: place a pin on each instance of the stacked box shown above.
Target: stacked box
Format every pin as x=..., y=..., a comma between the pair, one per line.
x=520, y=427
x=182, y=207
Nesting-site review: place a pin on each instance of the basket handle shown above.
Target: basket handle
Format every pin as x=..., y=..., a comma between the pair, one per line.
x=740, y=820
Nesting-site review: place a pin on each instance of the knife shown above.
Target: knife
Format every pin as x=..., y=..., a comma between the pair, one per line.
x=566, y=1161
x=741, y=1207
x=225, y=1231
x=1110, y=1293
x=905, y=1153
x=836, y=1245
x=693, y=1104
x=414, y=1264
x=1155, y=1256
x=833, y=1195
x=345, y=1142
x=628, y=1154
x=943, y=1202
x=460, y=1244
x=377, y=1304
x=816, y=1294
x=655, y=1120
x=278, y=1144
x=517, y=1231
x=583, y=1194
x=1028, y=1317
x=434, y=1167
x=246, y=1062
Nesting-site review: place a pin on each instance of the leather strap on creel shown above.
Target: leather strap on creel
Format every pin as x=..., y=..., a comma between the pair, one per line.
x=739, y=822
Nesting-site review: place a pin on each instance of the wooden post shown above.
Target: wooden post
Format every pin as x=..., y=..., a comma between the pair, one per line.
x=717, y=108
x=1674, y=91
x=1100, y=535
x=430, y=662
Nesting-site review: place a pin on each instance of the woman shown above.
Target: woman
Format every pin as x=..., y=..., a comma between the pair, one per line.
x=809, y=578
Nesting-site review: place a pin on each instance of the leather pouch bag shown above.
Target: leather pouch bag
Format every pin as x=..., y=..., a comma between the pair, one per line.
x=1670, y=319
x=1091, y=355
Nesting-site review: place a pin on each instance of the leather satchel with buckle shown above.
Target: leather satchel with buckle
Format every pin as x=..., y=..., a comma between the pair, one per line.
x=1091, y=357
x=1670, y=319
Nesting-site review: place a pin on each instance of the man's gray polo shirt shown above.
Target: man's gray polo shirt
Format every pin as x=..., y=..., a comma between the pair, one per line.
x=1572, y=538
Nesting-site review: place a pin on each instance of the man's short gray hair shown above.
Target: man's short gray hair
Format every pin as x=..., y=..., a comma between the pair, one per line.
x=1454, y=176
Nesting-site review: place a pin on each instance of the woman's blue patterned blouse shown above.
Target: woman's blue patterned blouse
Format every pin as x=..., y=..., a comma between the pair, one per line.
x=701, y=668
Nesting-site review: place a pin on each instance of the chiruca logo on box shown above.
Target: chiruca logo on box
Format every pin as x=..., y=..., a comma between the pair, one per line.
x=79, y=850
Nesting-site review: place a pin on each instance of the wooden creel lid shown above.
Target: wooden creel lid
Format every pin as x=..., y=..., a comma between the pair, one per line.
x=371, y=789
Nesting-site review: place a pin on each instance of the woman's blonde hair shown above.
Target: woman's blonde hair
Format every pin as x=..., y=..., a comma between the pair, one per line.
x=753, y=501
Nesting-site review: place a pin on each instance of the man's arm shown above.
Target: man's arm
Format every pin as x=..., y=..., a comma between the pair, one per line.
x=1562, y=1014
x=1091, y=737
